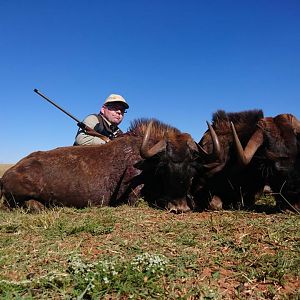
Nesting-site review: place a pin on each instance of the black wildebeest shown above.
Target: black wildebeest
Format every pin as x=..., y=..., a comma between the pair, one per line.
x=274, y=149
x=152, y=155
x=225, y=184
x=271, y=156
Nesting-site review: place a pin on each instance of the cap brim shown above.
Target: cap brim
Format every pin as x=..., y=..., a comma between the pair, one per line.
x=120, y=102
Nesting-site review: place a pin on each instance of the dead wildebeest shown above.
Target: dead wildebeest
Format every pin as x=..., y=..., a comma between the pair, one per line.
x=274, y=150
x=271, y=156
x=169, y=168
x=224, y=184
x=152, y=155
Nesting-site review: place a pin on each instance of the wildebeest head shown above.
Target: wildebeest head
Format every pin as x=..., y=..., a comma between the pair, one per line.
x=173, y=161
x=274, y=148
x=278, y=136
x=219, y=145
x=220, y=177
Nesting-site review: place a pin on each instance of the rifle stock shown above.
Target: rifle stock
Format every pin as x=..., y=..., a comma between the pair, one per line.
x=92, y=132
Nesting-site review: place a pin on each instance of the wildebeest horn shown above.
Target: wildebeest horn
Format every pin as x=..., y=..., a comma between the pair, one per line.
x=158, y=147
x=256, y=140
x=215, y=141
x=193, y=145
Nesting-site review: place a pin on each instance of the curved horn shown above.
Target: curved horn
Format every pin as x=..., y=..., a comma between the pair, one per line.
x=192, y=145
x=202, y=149
x=256, y=140
x=158, y=147
x=216, y=144
x=215, y=140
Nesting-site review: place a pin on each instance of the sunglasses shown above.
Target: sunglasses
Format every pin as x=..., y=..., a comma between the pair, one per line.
x=115, y=107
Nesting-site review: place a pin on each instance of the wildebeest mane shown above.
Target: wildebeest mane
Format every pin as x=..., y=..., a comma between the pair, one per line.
x=159, y=129
x=243, y=121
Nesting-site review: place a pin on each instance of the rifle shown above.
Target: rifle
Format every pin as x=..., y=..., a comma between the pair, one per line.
x=84, y=127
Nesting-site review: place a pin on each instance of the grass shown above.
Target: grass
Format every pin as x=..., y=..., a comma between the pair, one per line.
x=142, y=253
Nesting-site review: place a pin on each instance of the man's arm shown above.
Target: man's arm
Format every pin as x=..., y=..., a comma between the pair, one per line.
x=86, y=135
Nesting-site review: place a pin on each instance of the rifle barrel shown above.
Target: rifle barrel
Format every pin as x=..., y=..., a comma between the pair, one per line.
x=56, y=105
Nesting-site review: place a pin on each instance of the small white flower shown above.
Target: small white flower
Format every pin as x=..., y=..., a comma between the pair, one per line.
x=105, y=279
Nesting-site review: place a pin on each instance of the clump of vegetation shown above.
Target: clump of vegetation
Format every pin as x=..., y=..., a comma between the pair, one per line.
x=117, y=276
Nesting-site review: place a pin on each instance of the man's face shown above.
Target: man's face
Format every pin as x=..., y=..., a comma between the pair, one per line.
x=113, y=112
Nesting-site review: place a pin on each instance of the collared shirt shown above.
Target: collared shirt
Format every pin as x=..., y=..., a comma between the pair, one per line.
x=100, y=124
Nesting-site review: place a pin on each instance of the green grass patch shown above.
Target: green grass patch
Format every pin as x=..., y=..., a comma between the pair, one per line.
x=143, y=253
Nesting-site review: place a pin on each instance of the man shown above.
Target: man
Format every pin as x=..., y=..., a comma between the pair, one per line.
x=105, y=123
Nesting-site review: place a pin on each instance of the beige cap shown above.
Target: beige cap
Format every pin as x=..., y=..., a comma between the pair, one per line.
x=116, y=98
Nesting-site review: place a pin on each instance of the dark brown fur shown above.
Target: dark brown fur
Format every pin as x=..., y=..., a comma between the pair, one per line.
x=225, y=179
x=98, y=175
x=138, y=127
x=278, y=160
x=244, y=122
x=275, y=163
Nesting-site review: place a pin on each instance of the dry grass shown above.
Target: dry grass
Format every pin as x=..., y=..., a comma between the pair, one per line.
x=141, y=253
x=4, y=167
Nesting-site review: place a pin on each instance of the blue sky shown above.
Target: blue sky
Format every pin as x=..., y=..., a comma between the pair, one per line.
x=177, y=61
